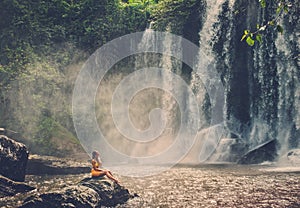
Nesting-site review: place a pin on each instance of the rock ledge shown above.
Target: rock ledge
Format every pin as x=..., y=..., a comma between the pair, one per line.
x=88, y=193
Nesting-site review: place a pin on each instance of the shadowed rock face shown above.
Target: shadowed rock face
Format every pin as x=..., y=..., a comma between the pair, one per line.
x=10, y=188
x=13, y=159
x=41, y=165
x=88, y=193
x=262, y=153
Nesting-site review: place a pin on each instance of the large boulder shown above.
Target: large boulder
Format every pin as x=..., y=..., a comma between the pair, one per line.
x=110, y=193
x=87, y=194
x=264, y=152
x=10, y=188
x=48, y=165
x=293, y=157
x=13, y=159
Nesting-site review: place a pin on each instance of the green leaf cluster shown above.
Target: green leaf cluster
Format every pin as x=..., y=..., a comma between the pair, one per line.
x=249, y=37
x=281, y=8
x=262, y=3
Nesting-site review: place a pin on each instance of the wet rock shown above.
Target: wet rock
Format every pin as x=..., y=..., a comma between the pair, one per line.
x=293, y=156
x=10, y=188
x=262, y=153
x=74, y=196
x=88, y=193
x=237, y=149
x=41, y=165
x=110, y=193
x=13, y=159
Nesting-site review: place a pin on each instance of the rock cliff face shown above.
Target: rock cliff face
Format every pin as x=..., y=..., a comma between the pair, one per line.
x=13, y=159
x=87, y=193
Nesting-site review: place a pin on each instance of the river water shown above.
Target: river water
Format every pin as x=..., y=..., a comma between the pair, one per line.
x=215, y=185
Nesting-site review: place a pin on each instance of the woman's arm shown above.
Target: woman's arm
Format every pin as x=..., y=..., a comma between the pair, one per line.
x=99, y=162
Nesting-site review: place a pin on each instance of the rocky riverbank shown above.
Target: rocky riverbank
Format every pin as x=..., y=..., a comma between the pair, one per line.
x=214, y=185
x=88, y=192
x=207, y=186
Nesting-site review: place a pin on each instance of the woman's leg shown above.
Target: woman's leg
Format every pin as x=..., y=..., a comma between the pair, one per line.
x=98, y=173
x=110, y=176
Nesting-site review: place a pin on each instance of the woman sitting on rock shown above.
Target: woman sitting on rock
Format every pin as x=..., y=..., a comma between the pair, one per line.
x=97, y=171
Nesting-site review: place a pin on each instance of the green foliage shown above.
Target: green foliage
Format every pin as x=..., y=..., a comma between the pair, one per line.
x=249, y=37
x=44, y=134
x=134, y=16
x=38, y=40
x=172, y=14
x=46, y=127
x=250, y=41
x=281, y=9
x=259, y=38
x=279, y=29
x=262, y=3
x=32, y=27
x=140, y=7
x=51, y=136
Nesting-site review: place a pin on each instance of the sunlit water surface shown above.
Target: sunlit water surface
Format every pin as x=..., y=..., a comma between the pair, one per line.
x=196, y=186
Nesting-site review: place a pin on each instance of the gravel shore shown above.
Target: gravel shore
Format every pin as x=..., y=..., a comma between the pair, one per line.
x=195, y=186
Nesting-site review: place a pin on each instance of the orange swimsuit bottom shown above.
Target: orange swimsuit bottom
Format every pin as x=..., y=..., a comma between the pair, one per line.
x=94, y=171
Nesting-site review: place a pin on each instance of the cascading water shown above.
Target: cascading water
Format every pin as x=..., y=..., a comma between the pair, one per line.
x=208, y=36
x=261, y=83
x=182, y=118
x=171, y=98
x=261, y=87
x=289, y=91
x=275, y=85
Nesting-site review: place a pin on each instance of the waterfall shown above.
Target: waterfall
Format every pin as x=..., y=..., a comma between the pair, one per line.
x=210, y=138
x=147, y=61
x=168, y=115
x=261, y=83
x=289, y=89
x=259, y=104
x=275, y=86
